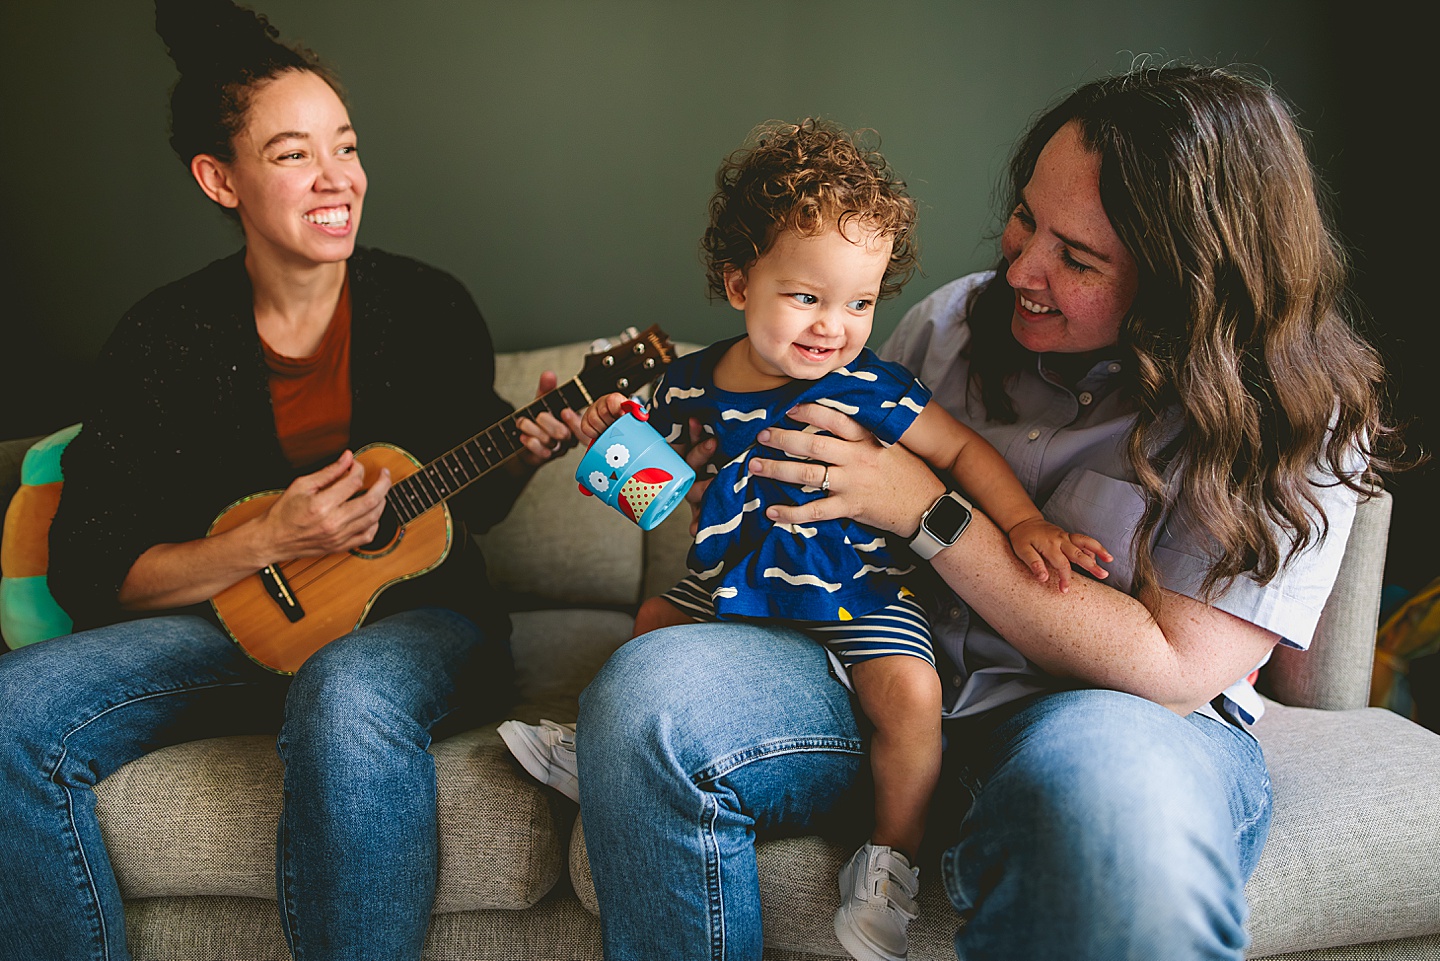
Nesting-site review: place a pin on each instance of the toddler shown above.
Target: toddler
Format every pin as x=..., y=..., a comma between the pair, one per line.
x=808, y=230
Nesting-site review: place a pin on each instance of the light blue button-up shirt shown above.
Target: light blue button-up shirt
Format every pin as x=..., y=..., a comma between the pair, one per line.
x=1067, y=448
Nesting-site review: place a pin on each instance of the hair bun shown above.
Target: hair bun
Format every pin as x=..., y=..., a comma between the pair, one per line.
x=214, y=40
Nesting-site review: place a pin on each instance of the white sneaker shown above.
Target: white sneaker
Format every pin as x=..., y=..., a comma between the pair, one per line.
x=547, y=751
x=878, y=888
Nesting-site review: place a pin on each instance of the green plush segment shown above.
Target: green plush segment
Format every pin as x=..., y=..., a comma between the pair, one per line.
x=28, y=612
x=42, y=461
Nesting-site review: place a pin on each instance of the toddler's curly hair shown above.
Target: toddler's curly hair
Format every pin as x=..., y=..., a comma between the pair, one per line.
x=805, y=178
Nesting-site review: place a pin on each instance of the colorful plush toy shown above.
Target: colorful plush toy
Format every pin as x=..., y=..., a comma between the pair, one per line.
x=27, y=611
x=1409, y=637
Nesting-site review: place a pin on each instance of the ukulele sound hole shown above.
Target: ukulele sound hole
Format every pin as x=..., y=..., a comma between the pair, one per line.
x=387, y=536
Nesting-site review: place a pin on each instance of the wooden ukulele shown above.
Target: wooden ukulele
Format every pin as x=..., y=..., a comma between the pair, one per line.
x=288, y=611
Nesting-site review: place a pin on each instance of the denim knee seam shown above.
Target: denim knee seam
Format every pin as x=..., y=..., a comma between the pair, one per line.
x=54, y=770
x=713, y=880
x=89, y=874
x=795, y=745
x=711, y=812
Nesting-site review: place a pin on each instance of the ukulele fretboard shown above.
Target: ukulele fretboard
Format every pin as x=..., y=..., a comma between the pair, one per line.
x=447, y=474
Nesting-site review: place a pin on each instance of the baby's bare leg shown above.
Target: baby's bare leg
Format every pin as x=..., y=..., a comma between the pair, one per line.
x=901, y=697
x=656, y=613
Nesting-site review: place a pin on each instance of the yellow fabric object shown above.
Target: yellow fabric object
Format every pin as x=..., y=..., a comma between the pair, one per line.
x=1412, y=631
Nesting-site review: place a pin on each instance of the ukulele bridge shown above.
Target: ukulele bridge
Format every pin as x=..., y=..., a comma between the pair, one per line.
x=278, y=589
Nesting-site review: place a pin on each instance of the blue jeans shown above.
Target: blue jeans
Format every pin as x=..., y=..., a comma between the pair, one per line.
x=357, y=842
x=1091, y=824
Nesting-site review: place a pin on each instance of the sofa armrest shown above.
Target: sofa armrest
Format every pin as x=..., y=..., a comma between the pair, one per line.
x=1334, y=674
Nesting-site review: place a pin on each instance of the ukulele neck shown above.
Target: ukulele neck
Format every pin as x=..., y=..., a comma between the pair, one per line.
x=461, y=466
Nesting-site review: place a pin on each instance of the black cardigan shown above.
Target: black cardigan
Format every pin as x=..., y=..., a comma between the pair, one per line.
x=180, y=424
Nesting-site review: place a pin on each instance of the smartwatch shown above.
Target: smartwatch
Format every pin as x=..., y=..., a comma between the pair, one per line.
x=941, y=525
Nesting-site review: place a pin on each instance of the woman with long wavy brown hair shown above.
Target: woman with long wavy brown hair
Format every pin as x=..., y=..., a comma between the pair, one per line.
x=1164, y=358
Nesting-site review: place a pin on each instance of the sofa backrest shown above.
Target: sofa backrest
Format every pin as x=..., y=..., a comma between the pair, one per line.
x=559, y=547
x=1334, y=674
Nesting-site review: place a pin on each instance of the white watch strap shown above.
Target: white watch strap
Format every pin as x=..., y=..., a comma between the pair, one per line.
x=927, y=545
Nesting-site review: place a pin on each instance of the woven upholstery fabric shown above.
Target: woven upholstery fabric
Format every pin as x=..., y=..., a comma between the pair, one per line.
x=215, y=929
x=580, y=878
x=1335, y=673
x=556, y=929
x=199, y=819
x=1424, y=948
x=1352, y=851
x=196, y=818
x=556, y=654
x=248, y=929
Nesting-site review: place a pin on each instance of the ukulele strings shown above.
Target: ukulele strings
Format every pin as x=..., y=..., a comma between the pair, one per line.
x=307, y=565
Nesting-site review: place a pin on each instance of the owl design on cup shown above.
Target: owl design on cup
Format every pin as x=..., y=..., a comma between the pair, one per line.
x=632, y=468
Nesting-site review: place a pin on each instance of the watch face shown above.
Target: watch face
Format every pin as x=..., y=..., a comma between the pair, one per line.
x=946, y=520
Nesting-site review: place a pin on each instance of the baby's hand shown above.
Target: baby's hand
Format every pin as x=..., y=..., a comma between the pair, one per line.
x=600, y=415
x=1039, y=543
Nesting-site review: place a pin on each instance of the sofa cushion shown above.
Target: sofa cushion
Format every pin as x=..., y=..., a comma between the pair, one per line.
x=1351, y=854
x=1350, y=858
x=199, y=819
x=188, y=929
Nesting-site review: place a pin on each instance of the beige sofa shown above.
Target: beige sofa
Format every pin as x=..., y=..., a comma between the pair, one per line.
x=1352, y=869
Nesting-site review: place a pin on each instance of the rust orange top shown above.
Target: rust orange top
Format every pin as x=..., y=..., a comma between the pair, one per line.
x=311, y=395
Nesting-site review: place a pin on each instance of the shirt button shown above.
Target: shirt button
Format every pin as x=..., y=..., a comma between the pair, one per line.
x=957, y=680
x=1034, y=434
x=953, y=613
x=1085, y=397
x=1114, y=368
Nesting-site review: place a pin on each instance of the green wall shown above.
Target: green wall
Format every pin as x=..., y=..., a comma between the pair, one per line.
x=556, y=156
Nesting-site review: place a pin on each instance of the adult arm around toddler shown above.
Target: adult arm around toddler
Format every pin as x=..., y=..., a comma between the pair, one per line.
x=1163, y=646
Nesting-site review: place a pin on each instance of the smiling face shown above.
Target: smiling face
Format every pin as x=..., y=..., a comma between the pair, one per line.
x=1074, y=280
x=296, y=180
x=809, y=304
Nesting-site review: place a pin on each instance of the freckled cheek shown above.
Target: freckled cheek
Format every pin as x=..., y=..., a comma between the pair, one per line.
x=1009, y=244
x=1097, y=312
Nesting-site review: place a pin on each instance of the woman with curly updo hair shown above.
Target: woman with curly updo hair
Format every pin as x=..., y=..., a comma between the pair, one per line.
x=261, y=372
x=809, y=228
x=1164, y=359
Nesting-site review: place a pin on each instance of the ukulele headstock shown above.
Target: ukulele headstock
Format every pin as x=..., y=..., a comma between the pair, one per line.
x=629, y=365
